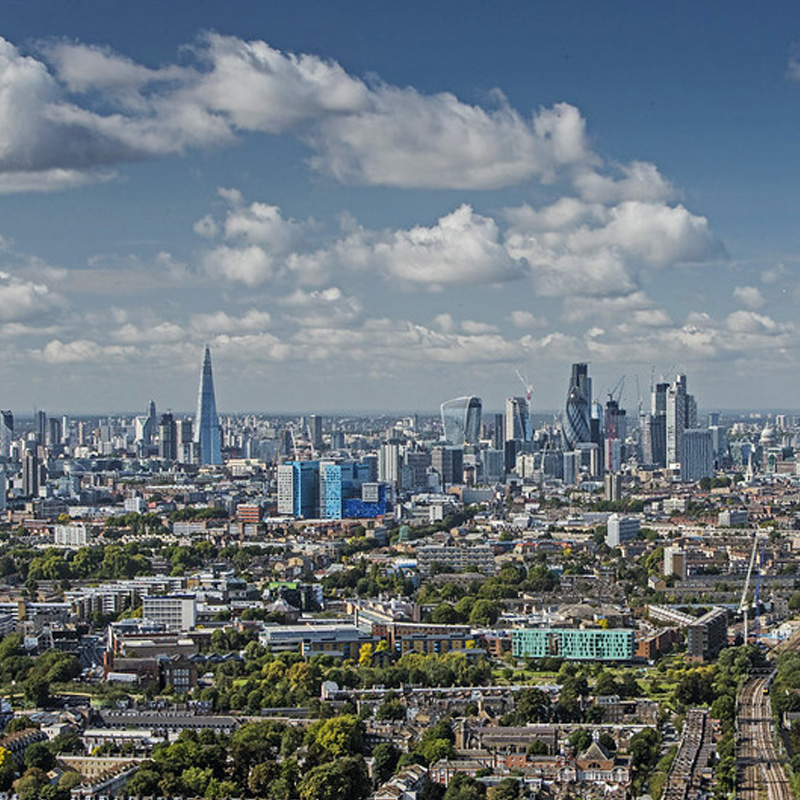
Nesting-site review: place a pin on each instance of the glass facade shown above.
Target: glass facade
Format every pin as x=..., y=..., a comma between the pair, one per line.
x=461, y=420
x=206, y=430
x=577, y=427
x=574, y=644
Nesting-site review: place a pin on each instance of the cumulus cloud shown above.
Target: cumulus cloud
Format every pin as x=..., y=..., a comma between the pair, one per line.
x=640, y=180
x=220, y=322
x=360, y=133
x=601, y=250
x=80, y=351
x=524, y=319
x=461, y=248
x=323, y=307
x=750, y=297
x=21, y=299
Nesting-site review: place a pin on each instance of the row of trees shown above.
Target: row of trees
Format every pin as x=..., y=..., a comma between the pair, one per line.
x=267, y=680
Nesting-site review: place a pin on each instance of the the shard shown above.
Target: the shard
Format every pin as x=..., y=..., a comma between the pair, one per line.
x=206, y=431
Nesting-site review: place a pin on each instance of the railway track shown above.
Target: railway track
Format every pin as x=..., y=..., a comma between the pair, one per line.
x=694, y=752
x=759, y=767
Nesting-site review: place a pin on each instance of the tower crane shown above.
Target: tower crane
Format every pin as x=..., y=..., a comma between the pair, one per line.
x=528, y=387
x=744, y=606
x=757, y=595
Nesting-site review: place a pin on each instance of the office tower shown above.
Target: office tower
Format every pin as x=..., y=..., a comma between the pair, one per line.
x=149, y=424
x=185, y=440
x=389, y=463
x=719, y=442
x=577, y=423
x=414, y=471
x=461, y=420
x=315, y=431
x=3, y=487
x=64, y=429
x=449, y=464
x=498, y=433
x=298, y=489
x=40, y=426
x=697, y=458
x=206, y=430
x=167, y=438
x=517, y=422
x=31, y=471
x=53, y=432
x=616, y=421
x=492, y=464
x=6, y=433
x=681, y=414
x=714, y=416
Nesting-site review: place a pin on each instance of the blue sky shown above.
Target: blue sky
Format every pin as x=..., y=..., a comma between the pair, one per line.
x=383, y=205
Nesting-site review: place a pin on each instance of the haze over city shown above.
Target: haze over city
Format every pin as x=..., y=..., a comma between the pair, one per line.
x=380, y=207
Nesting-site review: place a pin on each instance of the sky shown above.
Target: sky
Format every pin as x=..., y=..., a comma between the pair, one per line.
x=380, y=206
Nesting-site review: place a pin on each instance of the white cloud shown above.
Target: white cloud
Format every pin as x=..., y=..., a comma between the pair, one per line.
x=221, y=322
x=525, y=320
x=80, y=351
x=603, y=251
x=368, y=134
x=461, y=248
x=640, y=181
x=407, y=139
x=773, y=274
x=750, y=322
x=750, y=297
x=618, y=309
x=21, y=299
x=323, y=307
x=248, y=265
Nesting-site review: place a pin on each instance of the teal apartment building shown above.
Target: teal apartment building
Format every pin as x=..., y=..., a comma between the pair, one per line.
x=574, y=644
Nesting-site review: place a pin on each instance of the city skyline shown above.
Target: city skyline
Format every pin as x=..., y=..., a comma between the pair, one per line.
x=353, y=223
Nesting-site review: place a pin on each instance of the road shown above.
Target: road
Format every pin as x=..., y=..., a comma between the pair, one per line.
x=759, y=767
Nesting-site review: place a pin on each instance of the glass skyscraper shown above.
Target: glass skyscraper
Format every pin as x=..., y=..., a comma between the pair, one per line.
x=206, y=430
x=577, y=427
x=461, y=420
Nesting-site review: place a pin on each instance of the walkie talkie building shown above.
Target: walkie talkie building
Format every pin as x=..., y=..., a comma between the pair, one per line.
x=461, y=420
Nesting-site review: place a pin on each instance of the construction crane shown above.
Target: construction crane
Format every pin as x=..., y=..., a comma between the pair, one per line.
x=744, y=606
x=617, y=390
x=528, y=387
x=757, y=595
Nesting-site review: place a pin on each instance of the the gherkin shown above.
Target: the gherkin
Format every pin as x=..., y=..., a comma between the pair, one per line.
x=577, y=427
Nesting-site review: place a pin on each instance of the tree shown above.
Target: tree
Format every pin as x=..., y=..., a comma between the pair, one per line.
x=38, y=755
x=7, y=769
x=336, y=738
x=386, y=756
x=30, y=785
x=343, y=778
x=391, y=709
x=537, y=748
x=507, y=789
x=261, y=777
x=463, y=787
x=20, y=723
x=533, y=705
x=579, y=740
x=445, y=614
x=484, y=614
